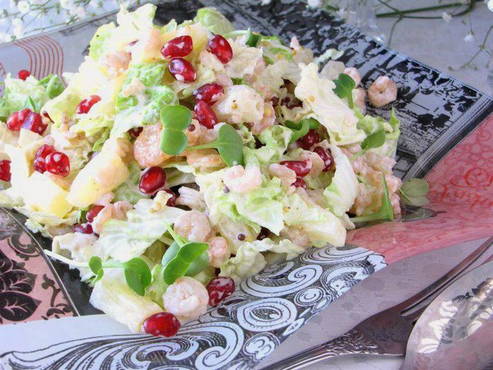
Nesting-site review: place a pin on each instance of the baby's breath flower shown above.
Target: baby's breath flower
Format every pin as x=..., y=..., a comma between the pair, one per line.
x=23, y=6
x=490, y=4
x=67, y=4
x=446, y=17
x=315, y=3
x=266, y=2
x=469, y=37
x=18, y=28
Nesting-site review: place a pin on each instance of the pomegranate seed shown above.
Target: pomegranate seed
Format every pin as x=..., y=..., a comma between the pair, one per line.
x=40, y=157
x=310, y=139
x=135, y=132
x=171, y=201
x=209, y=93
x=35, y=123
x=299, y=183
x=221, y=48
x=152, y=180
x=180, y=46
x=93, y=212
x=57, y=163
x=219, y=289
x=83, y=228
x=16, y=119
x=326, y=157
x=5, y=170
x=162, y=324
x=86, y=104
x=23, y=74
x=301, y=168
x=204, y=114
x=182, y=70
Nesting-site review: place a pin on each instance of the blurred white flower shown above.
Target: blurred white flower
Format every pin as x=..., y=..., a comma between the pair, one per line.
x=469, y=37
x=490, y=4
x=23, y=6
x=315, y=3
x=67, y=4
x=80, y=12
x=446, y=17
x=266, y=2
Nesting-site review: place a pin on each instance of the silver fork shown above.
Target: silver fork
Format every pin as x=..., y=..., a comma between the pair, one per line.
x=385, y=333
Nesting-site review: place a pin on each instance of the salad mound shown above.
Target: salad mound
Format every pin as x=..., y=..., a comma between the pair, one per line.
x=181, y=159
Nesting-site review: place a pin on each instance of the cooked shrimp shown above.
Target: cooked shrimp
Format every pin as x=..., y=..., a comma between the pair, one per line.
x=204, y=159
x=287, y=175
x=147, y=150
x=117, y=210
x=353, y=73
x=196, y=133
x=241, y=180
x=359, y=98
x=186, y=298
x=191, y=198
x=218, y=251
x=117, y=62
x=267, y=120
x=193, y=225
x=382, y=91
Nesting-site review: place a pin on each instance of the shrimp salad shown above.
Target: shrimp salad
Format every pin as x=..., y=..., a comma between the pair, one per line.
x=180, y=159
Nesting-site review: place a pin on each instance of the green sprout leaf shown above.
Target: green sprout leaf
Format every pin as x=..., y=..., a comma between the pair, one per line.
x=53, y=84
x=238, y=81
x=385, y=213
x=229, y=145
x=183, y=260
x=252, y=39
x=414, y=192
x=96, y=266
x=175, y=119
x=137, y=274
x=344, y=88
x=374, y=140
x=301, y=128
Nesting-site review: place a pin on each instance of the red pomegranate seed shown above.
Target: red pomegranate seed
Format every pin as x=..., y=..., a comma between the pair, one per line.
x=180, y=46
x=182, y=70
x=83, y=228
x=326, y=157
x=162, y=324
x=23, y=74
x=16, y=119
x=204, y=114
x=152, y=180
x=135, y=132
x=221, y=48
x=171, y=201
x=219, y=289
x=301, y=168
x=57, y=163
x=93, y=212
x=5, y=170
x=309, y=140
x=299, y=183
x=40, y=157
x=86, y=104
x=209, y=93
x=34, y=122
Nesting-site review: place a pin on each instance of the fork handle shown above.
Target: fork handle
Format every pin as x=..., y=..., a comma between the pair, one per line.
x=351, y=343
